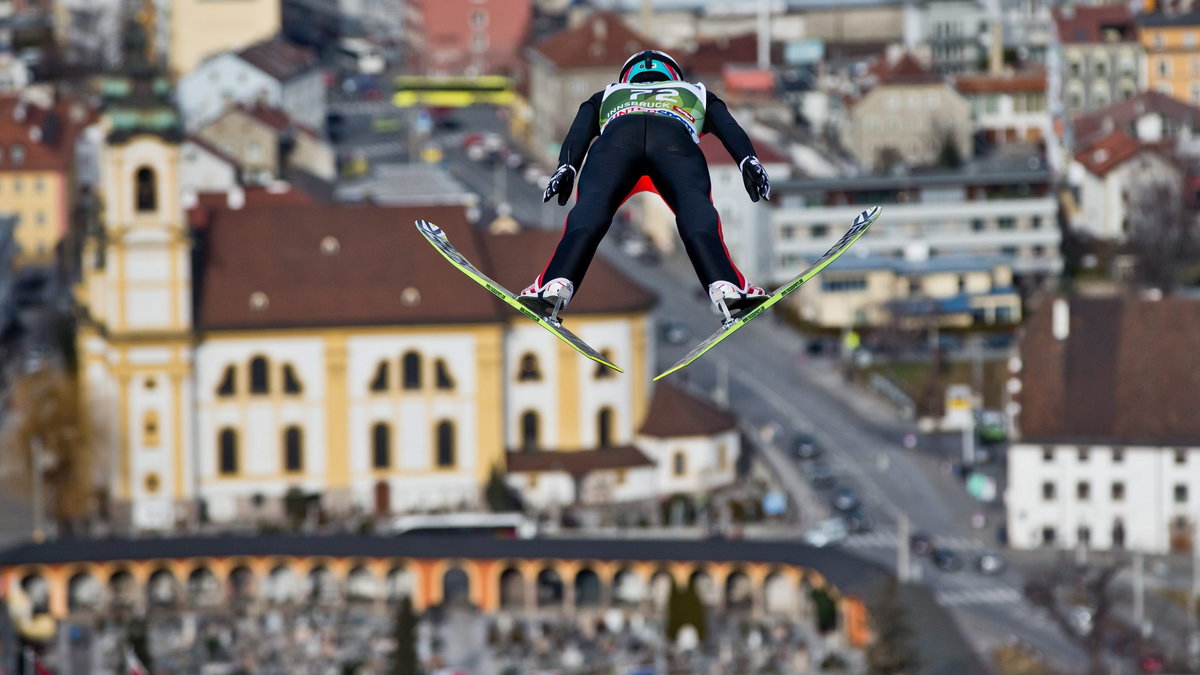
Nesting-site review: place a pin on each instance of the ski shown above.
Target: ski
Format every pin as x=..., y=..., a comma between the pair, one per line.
x=739, y=319
x=538, y=311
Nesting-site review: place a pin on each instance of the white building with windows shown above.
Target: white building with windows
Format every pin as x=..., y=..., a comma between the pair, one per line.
x=273, y=73
x=998, y=208
x=1108, y=448
x=327, y=350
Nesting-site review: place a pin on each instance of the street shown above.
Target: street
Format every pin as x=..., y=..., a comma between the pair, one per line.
x=770, y=381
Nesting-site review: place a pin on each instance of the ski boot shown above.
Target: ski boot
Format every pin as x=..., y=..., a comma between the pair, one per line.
x=553, y=295
x=729, y=298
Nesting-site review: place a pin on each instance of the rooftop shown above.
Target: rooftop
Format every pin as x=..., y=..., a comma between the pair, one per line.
x=935, y=264
x=33, y=138
x=676, y=413
x=1162, y=19
x=1033, y=81
x=279, y=58
x=1081, y=24
x=846, y=571
x=577, y=462
x=305, y=265
x=602, y=40
x=716, y=153
x=1124, y=114
x=1009, y=165
x=405, y=185
x=1109, y=152
x=1127, y=371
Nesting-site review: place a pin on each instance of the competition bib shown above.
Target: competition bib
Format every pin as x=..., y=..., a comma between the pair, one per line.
x=683, y=101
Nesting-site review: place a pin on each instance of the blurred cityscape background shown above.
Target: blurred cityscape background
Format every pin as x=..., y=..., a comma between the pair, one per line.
x=251, y=423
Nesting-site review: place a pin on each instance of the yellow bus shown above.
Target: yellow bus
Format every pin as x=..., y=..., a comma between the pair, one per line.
x=452, y=92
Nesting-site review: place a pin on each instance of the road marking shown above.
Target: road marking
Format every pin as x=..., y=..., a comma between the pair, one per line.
x=994, y=595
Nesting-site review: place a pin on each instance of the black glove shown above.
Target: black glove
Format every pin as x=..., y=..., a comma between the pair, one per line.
x=755, y=178
x=560, y=183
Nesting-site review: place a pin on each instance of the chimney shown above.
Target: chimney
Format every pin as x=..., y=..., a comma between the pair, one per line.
x=764, y=34
x=1060, y=319
x=236, y=197
x=599, y=29
x=996, y=48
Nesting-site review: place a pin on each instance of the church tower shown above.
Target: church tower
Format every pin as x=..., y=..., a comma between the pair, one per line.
x=135, y=342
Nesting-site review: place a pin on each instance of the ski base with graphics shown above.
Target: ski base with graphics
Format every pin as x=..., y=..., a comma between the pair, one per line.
x=861, y=223
x=536, y=310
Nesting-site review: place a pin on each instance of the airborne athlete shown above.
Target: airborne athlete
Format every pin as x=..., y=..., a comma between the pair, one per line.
x=649, y=125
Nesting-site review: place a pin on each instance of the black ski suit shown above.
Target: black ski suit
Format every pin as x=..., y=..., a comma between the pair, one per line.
x=660, y=149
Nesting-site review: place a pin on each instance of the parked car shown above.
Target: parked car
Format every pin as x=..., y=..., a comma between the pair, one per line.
x=826, y=533
x=857, y=521
x=990, y=563
x=844, y=499
x=804, y=446
x=990, y=426
x=920, y=543
x=945, y=559
x=820, y=475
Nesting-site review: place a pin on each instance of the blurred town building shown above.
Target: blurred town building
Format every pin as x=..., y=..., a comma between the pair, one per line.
x=266, y=144
x=273, y=73
x=1095, y=58
x=465, y=37
x=185, y=32
x=1106, y=456
x=907, y=114
x=37, y=171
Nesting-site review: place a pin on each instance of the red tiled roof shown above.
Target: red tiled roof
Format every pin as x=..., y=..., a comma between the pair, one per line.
x=279, y=58
x=517, y=257
x=208, y=204
x=1109, y=153
x=274, y=118
x=905, y=70
x=601, y=40
x=674, y=413
x=577, y=462
x=712, y=55
x=1127, y=373
x=1033, y=81
x=1124, y=114
x=741, y=79
x=46, y=136
x=716, y=153
x=212, y=149
x=1086, y=25
x=277, y=251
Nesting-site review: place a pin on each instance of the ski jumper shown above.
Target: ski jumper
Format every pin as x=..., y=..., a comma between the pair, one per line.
x=648, y=141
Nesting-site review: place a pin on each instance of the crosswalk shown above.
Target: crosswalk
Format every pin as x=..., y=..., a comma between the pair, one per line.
x=375, y=150
x=987, y=595
x=886, y=538
x=367, y=108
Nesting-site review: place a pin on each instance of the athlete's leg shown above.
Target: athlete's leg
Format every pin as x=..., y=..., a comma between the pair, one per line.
x=614, y=165
x=680, y=174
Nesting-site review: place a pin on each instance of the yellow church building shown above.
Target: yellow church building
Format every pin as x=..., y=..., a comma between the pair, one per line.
x=269, y=348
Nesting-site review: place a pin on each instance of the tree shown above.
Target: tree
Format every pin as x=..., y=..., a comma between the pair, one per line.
x=826, y=609
x=405, y=633
x=135, y=635
x=48, y=421
x=889, y=160
x=684, y=607
x=1062, y=588
x=1162, y=234
x=949, y=155
x=500, y=497
x=892, y=652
